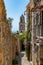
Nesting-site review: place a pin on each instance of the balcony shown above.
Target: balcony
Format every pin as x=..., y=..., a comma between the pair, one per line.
x=40, y=37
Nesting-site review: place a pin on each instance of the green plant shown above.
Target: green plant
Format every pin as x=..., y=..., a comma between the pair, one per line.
x=22, y=37
x=10, y=20
x=14, y=62
x=28, y=51
x=29, y=37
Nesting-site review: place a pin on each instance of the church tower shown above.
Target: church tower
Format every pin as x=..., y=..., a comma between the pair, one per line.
x=22, y=24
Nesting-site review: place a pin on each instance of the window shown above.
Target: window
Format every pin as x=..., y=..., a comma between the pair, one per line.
x=42, y=23
x=34, y=21
x=38, y=24
x=35, y=48
x=36, y=2
x=37, y=18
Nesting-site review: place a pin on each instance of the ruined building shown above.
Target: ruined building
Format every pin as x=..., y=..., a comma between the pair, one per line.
x=35, y=15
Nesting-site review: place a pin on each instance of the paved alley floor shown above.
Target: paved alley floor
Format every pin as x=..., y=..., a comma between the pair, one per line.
x=22, y=59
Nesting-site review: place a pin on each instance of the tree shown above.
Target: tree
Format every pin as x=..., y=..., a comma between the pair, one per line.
x=22, y=37
x=10, y=22
x=17, y=32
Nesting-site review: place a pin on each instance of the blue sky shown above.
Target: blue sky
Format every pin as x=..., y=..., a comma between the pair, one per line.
x=14, y=9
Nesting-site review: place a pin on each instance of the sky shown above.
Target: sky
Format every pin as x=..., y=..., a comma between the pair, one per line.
x=14, y=9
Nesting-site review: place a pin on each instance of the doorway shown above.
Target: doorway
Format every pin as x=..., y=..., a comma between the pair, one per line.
x=42, y=23
x=22, y=47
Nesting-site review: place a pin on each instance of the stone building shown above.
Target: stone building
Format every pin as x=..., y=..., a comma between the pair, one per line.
x=22, y=24
x=5, y=46
x=36, y=19
x=15, y=46
x=8, y=41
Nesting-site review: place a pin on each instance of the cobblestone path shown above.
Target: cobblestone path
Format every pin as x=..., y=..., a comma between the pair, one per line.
x=22, y=59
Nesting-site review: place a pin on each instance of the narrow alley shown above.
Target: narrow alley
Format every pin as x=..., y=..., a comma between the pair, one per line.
x=21, y=32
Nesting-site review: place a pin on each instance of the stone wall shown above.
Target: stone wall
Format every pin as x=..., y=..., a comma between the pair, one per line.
x=7, y=39
x=36, y=10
